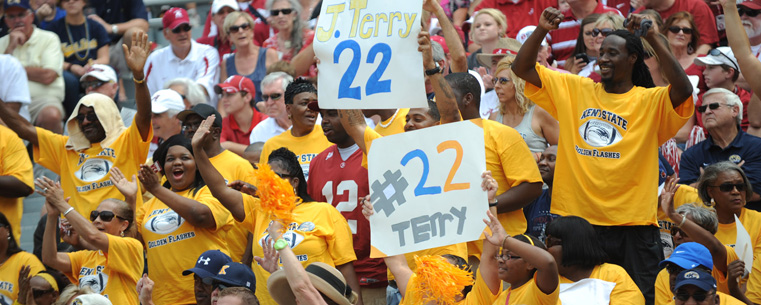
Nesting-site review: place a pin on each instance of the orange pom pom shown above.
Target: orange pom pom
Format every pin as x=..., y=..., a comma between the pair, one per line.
x=276, y=195
x=438, y=280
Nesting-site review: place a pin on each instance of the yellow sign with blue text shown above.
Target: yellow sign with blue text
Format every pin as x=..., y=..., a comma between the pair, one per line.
x=368, y=54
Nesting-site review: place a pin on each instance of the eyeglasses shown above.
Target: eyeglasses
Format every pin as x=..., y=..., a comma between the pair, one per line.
x=747, y=12
x=675, y=29
x=89, y=116
x=728, y=187
x=182, y=28
x=285, y=11
x=716, y=52
x=274, y=96
x=501, y=80
x=551, y=241
x=93, y=84
x=712, y=106
x=106, y=216
x=506, y=257
x=698, y=296
x=604, y=32
x=39, y=292
x=675, y=230
x=236, y=28
x=190, y=126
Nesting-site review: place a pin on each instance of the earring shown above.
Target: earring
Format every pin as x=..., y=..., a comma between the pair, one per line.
x=121, y=233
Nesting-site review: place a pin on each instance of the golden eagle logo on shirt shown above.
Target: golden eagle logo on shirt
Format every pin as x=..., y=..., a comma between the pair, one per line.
x=601, y=129
x=93, y=278
x=164, y=223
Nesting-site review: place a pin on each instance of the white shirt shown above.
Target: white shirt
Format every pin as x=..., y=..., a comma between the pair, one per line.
x=42, y=50
x=201, y=65
x=14, y=87
x=265, y=130
x=489, y=104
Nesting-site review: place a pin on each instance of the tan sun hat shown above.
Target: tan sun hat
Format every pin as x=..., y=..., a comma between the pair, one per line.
x=504, y=47
x=325, y=278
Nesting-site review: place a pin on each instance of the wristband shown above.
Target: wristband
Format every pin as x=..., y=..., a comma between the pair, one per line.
x=138, y=81
x=280, y=244
x=68, y=211
x=684, y=218
x=114, y=29
x=493, y=204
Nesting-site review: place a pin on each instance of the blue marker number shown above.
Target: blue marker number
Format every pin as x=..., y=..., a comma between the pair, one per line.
x=374, y=83
x=345, y=90
x=421, y=189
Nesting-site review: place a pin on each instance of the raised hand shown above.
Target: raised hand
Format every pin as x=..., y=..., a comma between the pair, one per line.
x=431, y=5
x=635, y=25
x=489, y=185
x=52, y=192
x=667, y=196
x=270, y=259
x=137, y=54
x=243, y=187
x=424, y=46
x=498, y=233
x=550, y=19
x=145, y=289
x=24, y=288
x=126, y=187
x=202, y=133
x=148, y=178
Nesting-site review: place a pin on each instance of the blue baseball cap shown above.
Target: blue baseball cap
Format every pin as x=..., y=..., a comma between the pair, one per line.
x=690, y=255
x=234, y=275
x=698, y=278
x=17, y=3
x=208, y=263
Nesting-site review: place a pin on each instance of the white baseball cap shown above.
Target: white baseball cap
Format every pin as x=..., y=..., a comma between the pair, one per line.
x=718, y=56
x=102, y=72
x=219, y=4
x=166, y=99
x=91, y=299
x=525, y=32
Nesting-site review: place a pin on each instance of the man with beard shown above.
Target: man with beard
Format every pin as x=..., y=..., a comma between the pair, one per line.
x=537, y=212
x=97, y=141
x=609, y=133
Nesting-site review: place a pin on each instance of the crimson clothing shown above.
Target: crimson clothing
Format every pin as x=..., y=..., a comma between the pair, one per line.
x=623, y=6
x=262, y=30
x=702, y=14
x=696, y=70
x=232, y=132
x=563, y=40
x=744, y=98
x=520, y=14
x=222, y=47
x=342, y=183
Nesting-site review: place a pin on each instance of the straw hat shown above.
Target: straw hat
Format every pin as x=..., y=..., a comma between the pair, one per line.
x=325, y=278
x=504, y=47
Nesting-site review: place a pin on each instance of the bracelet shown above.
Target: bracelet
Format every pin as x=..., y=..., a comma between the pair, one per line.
x=138, y=81
x=684, y=218
x=68, y=211
x=504, y=240
x=493, y=204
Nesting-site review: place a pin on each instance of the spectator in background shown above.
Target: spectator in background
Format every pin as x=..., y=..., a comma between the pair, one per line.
x=255, y=8
x=750, y=15
x=183, y=57
x=253, y=153
x=505, y=47
x=292, y=36
x=704, y=18
x=248, y=60
x=120, y=18
x=585, y=46
x=219, y=10
x=488, y=28
x=684, y=37
x=520, y=13
x=47, y=12
x=14, y=88
x=40, y=53
x=605, y=24
x=15, y=177
x=544, y=57
x=192, y=94
x=693, y=284
x=101, y=79
x=237, y=98
x=84, y=42
x=722, y=71
x=14, y=260
x=41, y=289
x=237, y=296
x=273, y=97
x=231, y=275
x=165, y=105
x=207, y=266
x=564, y=37
x=537, y=213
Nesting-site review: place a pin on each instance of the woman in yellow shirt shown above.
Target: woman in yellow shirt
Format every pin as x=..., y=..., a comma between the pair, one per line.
x=112, y=270
x=573, y=243
x=318, y=233
x=12, y=260
x=180, y=222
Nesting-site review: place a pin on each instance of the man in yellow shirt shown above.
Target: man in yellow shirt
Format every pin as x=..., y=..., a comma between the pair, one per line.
x=607, y=169
x=15, y=177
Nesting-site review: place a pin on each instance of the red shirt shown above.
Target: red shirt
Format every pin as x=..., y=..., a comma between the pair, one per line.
x=563, y=40
x=704, y=18
x=520, y=14
x=744, y=98
x=222, y=47
x=342, y=183
x=623, y=6
x=262, y=30
x=231, y=130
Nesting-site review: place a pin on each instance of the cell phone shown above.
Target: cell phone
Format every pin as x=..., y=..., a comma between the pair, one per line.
x=583, y=57
x=156, y=167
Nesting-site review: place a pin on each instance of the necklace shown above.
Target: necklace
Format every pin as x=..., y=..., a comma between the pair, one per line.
x=87, y=38
x=393, y=117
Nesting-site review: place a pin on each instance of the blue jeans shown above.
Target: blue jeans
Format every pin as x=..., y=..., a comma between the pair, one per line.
x=393, y=296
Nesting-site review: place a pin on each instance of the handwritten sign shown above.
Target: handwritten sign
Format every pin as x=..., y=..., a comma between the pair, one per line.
x=425, y=187
x=743, y=246
x=368, y=54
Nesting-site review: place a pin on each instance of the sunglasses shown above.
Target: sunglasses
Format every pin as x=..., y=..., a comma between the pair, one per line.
x=182, y=28
x=93, y=84
x=106, y=216
x=748, y=12
x=728, y=187
x=39, y=292
x=712, y=106
x=501, y=80
x=285, y=11
x=604, y=32
x=675, y=230
x=675, y=29
x=236, y=28
x=698, y=296
x=505, y=257
x=89, y=116
x=716, y=52
x=273, y=96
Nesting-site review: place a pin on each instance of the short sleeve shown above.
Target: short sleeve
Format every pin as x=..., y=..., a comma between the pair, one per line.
x=368, y=136
x=207, y=69
x=340, y=245
x=52, y=56
x=76, y=259
x=14, y=87
x=480, y=293
x=516, y=159
x=125, y=256
x=50, y=150
x=250, y=204
x=222, y=216
x=706, y=23
x=33, y=262
x=15, y=159
x=140, y=147
x=671, y=119
x=554, y=89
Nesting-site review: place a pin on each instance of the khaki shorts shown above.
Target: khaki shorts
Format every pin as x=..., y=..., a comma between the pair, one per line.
x=374, y=296
x=116, y=60
x=43, y=102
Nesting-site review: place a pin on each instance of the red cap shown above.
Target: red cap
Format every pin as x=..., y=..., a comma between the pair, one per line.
x=174, y=17
x=442, y=42
x=236, y=83
x=751, y=4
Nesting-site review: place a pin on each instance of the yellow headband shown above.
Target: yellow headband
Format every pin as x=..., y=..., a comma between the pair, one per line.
x=531, y=241
x=48, y=278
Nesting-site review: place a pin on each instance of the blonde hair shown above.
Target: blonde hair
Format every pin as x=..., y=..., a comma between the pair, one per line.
x=498, y=16
x=616, y=20
x=71, y=291
x=232, y=17
x=523, y=102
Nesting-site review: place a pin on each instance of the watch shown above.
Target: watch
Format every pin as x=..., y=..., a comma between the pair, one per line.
x=493, y=204
x=280, y=244
x=114, y=29
x=433, y=71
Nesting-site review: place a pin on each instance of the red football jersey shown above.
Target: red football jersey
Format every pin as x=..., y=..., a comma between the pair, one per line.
x=342, y=184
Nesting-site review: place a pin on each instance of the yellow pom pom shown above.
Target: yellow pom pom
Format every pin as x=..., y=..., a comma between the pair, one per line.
x=276, y=195
x=438, y=280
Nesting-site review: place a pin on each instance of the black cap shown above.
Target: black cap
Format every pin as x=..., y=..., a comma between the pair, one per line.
x=204, y=111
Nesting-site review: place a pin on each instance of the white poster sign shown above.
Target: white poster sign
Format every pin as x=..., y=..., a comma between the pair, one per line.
x=743, y=246
x=425, y=187
x=368, y=55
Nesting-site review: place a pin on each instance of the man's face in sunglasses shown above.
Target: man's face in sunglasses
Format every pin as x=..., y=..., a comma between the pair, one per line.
x=90, y=125
x=690, y=294
x=179, y=37
x=716, y=113
x=752, y=24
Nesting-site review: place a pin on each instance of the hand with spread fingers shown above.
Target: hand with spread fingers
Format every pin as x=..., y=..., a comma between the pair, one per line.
x=52, y=192
x=137, y=54
x=271, y=257
x=203, y=132
x=126, y=187
x=148, y=178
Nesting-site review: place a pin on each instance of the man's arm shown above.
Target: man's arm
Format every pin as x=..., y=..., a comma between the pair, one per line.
x=19, y=125
x=41, y=75
x=354, y=123
x=738, y=41
x=12, y=187
x=135, y=57
x=754, y=113
x=445, y=99
x=459, y=62
x=524, y=65
x=518, y=196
